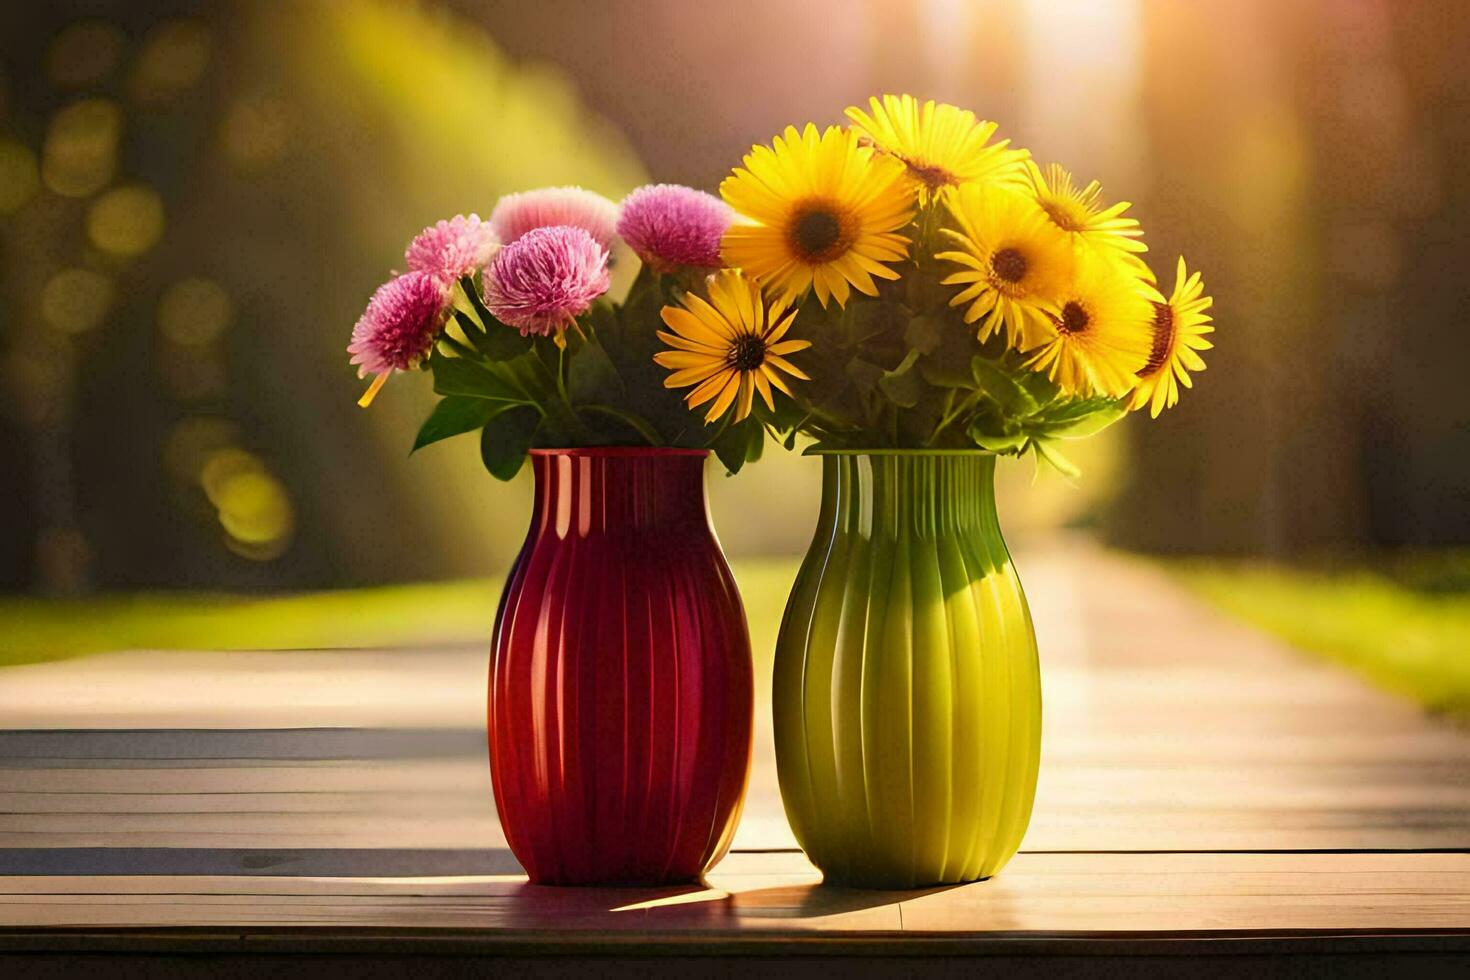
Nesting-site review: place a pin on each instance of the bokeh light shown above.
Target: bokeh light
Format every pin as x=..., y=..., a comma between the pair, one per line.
x=84, y=54
x=195, y=312
x=172, y=60
x=74, y=301
x=80, y=155
x=224, y=465
x=126, y=221
x=19, y=176
x=255, y=134
x=253, y=506
x=193, y=441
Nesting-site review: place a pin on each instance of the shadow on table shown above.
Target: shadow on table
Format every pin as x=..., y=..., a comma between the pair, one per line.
x=817, y=901
x=703, y=905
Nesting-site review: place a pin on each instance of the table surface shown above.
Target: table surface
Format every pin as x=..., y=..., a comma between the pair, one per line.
x=1200, y=784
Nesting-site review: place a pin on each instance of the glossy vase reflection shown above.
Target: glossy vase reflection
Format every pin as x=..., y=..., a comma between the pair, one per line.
x=907, y=693
x=620, y=683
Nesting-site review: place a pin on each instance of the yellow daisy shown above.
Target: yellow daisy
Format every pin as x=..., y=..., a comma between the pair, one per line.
x=729, y=348
x=1080, y=214
x=1016, y=263
x=1100, y=334
x=1179, y=327
x=822, y=212
x=941, y=145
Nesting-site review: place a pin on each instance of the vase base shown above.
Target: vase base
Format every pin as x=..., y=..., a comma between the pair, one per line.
x=617, y=882
x=879, y=883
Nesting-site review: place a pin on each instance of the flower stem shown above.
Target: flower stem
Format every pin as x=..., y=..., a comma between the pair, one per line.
x=966, y=403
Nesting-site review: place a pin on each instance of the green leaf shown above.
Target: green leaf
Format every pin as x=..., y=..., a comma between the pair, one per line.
x=472, y=293
x=591, y=376
x=999, y=443
x=854, y=325
x=740, y=444
x=786, y=414
x=943, y=373
x=1061, y=413
x=948, y=365
x=924, y=334
x=999, y=384
x=455, y=415
x=1043, y=389
x=506, y=439
x=603, y=320
x=500, y=342
x=1053, y=456
x=460, y=376
x=1086, y=424
x=468, y=324
x=864, y=374
x=491, y=337
x=903, y=385
x=632, y=419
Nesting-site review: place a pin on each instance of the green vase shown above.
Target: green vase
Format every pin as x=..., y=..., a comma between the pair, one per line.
x=907, y=693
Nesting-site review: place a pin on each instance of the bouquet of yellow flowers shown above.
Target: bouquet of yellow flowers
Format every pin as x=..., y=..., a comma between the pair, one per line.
x=958, y=295
x=954, y=294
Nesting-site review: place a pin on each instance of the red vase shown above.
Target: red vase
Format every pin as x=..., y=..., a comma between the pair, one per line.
x=620, y=681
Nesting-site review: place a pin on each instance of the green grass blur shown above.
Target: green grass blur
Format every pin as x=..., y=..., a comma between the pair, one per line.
x=33, y=630
x=1408, y=631
x=1405, y=627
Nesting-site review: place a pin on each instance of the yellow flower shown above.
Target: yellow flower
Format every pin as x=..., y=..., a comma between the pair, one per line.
x=1016, y=263
x=1179, y=326
x=1100, y=335
x=823, y=212
x=940, y=144
x=1081, y=215
x=729, y=348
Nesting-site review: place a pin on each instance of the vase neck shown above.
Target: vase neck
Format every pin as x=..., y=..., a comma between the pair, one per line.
x=582, y=494
x=913, y=493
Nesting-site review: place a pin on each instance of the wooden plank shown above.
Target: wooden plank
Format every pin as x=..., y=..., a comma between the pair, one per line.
x=1254, y=803
x=1254, y=894
x=273, y=745
x=82, y=864
x=1043, y=895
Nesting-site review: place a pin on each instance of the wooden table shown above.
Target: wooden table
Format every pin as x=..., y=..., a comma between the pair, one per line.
x=1208, y=799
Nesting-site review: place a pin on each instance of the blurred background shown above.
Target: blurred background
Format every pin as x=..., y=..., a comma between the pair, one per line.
x=196, y=200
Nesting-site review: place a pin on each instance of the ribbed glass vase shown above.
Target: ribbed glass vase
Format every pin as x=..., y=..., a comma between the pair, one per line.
x=620, y=681
x=907, y=692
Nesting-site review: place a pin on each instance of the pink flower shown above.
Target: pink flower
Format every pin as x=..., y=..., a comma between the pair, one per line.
x=669, y=225
x=516, y=214
x=450, y=249
x=546, y=278
x=398, y=328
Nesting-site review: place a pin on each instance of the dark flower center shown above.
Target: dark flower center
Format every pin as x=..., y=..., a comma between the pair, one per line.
x=817, y=235
x=747, y=353
x=1009, y=265
x=1074, y=318
x=1061, y=217
x=931, y=176
x=1163, y=339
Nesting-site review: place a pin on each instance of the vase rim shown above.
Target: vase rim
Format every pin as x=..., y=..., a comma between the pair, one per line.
x=900, y=452
x=620, y=451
